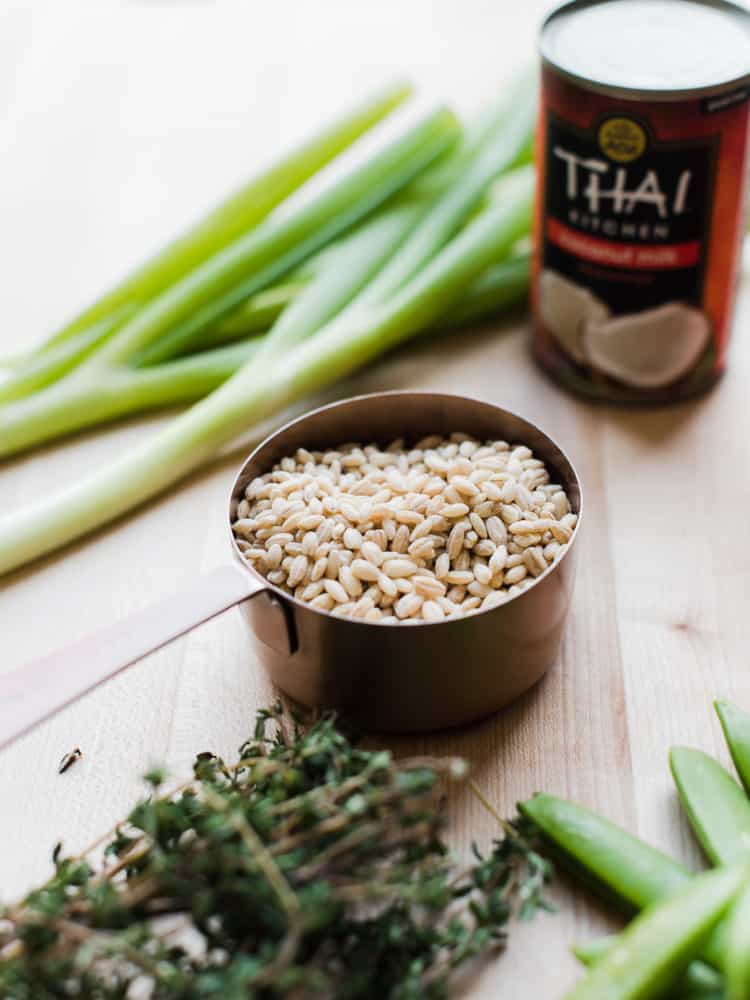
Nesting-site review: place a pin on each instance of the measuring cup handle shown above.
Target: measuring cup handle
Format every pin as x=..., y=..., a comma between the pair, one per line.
x=32, y=693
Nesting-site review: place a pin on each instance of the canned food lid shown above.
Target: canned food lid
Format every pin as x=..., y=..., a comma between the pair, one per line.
x=651, y=46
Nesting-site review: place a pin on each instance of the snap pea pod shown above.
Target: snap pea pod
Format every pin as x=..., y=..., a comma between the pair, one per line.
x=736, y=726
x=652, y=953
x=716, y=806
x=698, y=981
x=611, y=860
x=738, y=948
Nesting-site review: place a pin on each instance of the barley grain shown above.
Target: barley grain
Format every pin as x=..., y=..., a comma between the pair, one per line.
x=400, y=542
x=498, y=560
x=292, y=522
x=423, y=548
x=464, y=486
x=560, y=504
x=310, y=522
x=310, y=543
x=319, y=568
x=493, y=600
x=454, y=510
x=515, y=574
x=428, y=586
x=478, y=524
x=297, y=571
x=443, y=529
x=274, y=555
x=432, y=612
x=408, y=605
x=456, y=540
x=534, y=561
x=448, y=606
x=463, y=561
x=336, y=590
x=510, y=513
x=525, y=527
x=387, y=585
x=561, y=532
x=496, y=530
x=311, y=591
x=349, y=582
x=399, y=567
x=442, y=565
x=363, y=569
x=324, y=602
x=551, y=550
x=352, y=538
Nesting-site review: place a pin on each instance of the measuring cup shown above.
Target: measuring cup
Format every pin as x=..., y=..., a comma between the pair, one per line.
x=383, y=677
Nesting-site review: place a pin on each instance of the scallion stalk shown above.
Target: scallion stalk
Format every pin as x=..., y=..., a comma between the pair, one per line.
x=249, y=263
x=502, y=143
x=500, y=287
x=240, y=211
x=506, y=284
x=252, y=395
x=41, y=368
x=255, y=315
x=274, y=247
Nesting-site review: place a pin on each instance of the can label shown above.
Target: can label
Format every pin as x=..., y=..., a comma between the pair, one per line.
x=638, y=224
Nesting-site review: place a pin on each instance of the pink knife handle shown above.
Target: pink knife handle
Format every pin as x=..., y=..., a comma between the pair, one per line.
x=32, y=693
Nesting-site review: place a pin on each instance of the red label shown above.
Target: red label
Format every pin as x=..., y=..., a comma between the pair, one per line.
x=630, y=255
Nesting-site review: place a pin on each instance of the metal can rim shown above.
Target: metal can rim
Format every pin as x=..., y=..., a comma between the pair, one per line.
x=638, y=93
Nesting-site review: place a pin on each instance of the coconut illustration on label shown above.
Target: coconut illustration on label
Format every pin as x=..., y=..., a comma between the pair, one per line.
x=566, y=308
x=650, y=349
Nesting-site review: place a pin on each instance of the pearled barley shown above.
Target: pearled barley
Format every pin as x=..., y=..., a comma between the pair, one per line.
x=365, y=570
x=432, y=612
x=397, y=536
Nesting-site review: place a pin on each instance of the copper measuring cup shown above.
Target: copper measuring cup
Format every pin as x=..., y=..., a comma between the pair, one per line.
x=382, y=677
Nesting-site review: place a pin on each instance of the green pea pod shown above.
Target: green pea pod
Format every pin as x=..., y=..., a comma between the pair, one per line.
x=611, y=860
x=717, y=808
x=736, y=726
x=737, y=939
x=654, y=951
x=698, y=981
x=608, y=857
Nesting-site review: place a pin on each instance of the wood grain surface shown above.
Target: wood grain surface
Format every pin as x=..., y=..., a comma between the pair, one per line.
x=119, y=122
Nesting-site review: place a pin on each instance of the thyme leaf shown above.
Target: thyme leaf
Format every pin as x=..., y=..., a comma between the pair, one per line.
x=311, y=867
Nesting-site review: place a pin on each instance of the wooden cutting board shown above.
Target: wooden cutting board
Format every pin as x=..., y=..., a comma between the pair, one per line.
x=118, y=123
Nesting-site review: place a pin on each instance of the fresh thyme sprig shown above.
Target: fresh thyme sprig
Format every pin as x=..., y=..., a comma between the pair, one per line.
x=309, y=868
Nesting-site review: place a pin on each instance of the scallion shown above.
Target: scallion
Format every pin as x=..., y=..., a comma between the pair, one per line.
x=252, y=395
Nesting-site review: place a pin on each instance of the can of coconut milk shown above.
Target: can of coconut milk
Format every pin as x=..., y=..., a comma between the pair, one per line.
x=640, y=211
